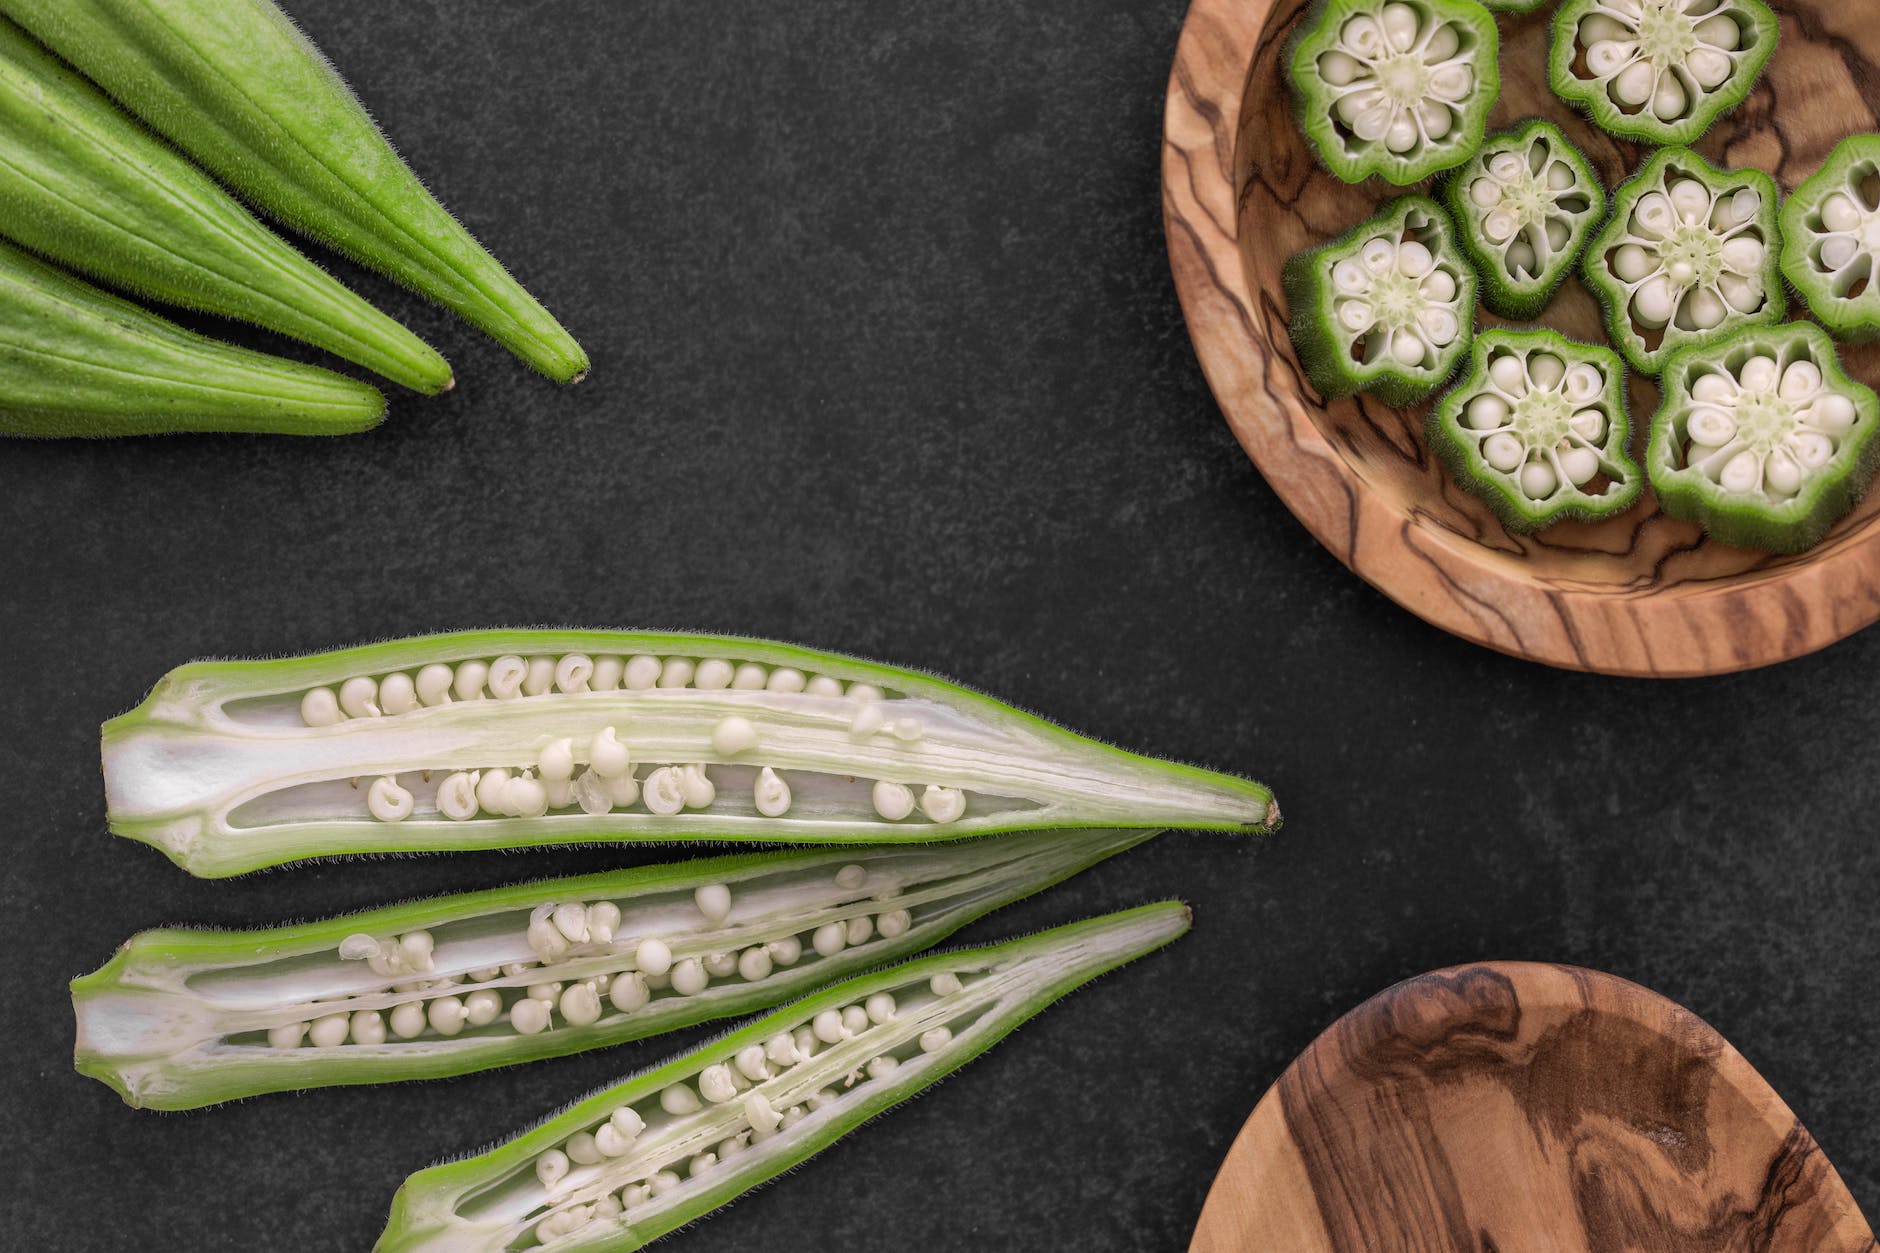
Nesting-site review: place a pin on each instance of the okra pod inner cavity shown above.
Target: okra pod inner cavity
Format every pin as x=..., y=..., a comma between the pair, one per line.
x=497, y=739
x=1524, y=207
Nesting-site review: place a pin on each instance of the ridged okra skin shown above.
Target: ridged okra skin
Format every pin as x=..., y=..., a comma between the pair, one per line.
x=90, y=188
x=1690, y=254
x=1659, y=71
x=1537, y=427
x=1524, y=207
x=1764, y=438
x=236, y=86
x=666, y=1147
x=75, y=361
x=1831, y=240
x=1396, y=88
x=179, y=1019
x=1387, y=308
x=500, y=739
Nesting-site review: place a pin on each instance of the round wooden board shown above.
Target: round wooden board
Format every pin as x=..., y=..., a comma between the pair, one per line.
x=1511, y=1106
x=1638, y=595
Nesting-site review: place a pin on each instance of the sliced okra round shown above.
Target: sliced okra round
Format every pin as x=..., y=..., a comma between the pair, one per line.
x=1388, y=308
x=1689, y=255
x=660, y=1150
x=1831, y=239
x=1398, y=88
x=1764, y=439
x=179, y=1019
x=498, y=739
x=1538, y=428
x=1523, y=207
x=1659, y=71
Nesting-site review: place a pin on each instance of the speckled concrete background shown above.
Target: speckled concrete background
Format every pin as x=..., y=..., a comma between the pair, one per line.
x=887, y=359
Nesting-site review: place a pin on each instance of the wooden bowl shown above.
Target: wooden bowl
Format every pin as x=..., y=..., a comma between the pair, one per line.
x=1516, y=1107
x=1637, y=595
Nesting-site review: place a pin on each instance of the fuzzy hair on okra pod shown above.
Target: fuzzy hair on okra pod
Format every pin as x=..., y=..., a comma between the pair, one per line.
x=1689, y=255
x=1537, y=427
x=1659, y=71
x=1514, y=6
x=1388, y=308
x=662, y=1149
x=1397, y=88
x=1763, y=438
x=235, y=85
x=502, y=739
x=1831, y=240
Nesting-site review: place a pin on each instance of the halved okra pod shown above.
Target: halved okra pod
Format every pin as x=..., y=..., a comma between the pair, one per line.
x=83, y=184
x=1538, y=428
x=1831, y=239
x=497, y=739
x=1388, y=308
x=647, y=1156
x=1398, y=88
x=236, y=86
x=1659, y=71
x=179, y=1019
x=77, y=361
x=1764, y=438
x=1690, y=255
x=1524, y=206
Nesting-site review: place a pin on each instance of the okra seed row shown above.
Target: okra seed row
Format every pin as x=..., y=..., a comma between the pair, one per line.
x=1395, y=301
x=1765, y=427
x=1692, y=258
x=1397, y=78
x=1541, y=420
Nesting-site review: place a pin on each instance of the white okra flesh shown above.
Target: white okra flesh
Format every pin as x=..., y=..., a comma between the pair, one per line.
x=498, y=739
x=181, y=1019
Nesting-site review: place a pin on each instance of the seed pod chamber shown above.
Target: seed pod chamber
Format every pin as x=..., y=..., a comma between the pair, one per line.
x=1831, y=240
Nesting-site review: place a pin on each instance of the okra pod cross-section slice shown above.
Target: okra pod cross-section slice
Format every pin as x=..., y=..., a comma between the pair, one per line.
x=660, y=1150
x=511, y=738
x=179, y=1019
x=1831, y=240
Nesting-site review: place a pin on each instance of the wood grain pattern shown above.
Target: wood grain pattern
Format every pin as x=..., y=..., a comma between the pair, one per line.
x=1641, y=594
x=1510, y=1107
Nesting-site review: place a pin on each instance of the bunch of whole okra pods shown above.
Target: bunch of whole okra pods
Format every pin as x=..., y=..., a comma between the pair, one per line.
x=950, y=805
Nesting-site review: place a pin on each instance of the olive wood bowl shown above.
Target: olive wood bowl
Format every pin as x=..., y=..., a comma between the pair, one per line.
x=1641, y=594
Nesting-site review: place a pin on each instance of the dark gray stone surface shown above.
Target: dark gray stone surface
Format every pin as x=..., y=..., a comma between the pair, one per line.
x=886, y=359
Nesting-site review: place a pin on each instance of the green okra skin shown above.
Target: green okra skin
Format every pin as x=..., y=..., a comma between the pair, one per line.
x=236, y=86
x=1763, y=438
x=179, y=1019
x=1387, y=308
x=1396, y=88
x=76, y=361
x=1831, y=240
x=1537, y=427
x=1690, y=255
x=90, y=188
x=1662, y=72
x=1514, y=6
x=695, y=1133
x=502, y=739
x=1524, y=207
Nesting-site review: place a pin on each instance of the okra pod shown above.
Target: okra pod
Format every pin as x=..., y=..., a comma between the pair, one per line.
x=662, y=1149
x=1831, y=240
x=78, y=361
x=88, y=187
x=179, y=1019
x=236, y=86
x=497, y=739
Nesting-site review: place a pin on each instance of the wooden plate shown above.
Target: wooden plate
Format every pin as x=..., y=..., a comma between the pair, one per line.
x=1519, y=1107
x=1637, y=595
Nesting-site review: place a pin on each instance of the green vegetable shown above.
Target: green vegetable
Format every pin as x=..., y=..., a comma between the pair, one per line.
x=1689, y=256
x=1513, y=6
x=1831, y=240
x=660, y=1150
x=1538, y=429
x=1524, y=206
x=1764, y=438
x=1387, y=308
x=1659, y=71
x=88, y=187
x=236, y=86
x=179, y=1019
x=1398, y=88
x=76, y=361
x=496, y=739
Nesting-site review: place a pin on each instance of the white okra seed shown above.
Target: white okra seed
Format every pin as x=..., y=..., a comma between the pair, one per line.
x=714, y=674
x=780, y=1050
x=828, y=1027
x=515, y=970
x=714, y=1084
x=573, y=671
x=359, y=697
x=433, y=684
x=622, y=792
x=893, y=801
x=556, y=760
x=934, y=1039
x=830, y=938
x=607, y=755
x=484, y=974
x=894, y=924
x=472, y=677
x=664, y=791
x=861, y=929
x=702, y=1163
x=581, y=1149
x=713, y=901
x=868, y=719
x=786, y=679
x=678, y=1100
x=634, y=1194
x=696, y=786
x=653, y=957
x=368, y=1027
x=750, y=677
x=881, y=1067
x=754, y=964
x=751, y=1062
x=676, y=672
x=320, y=708
x=525, y=797
x=851, y=877
x=489, y=789
x=823, y=685
x=854, y=1019
x=733, y=735
x=571, y=919
x=758, y=1111
x=539, y=677
x=607, y=673
x=771, y=794
x=627, y=1121
x=689, y=977
x=551, y=1167
x=330, y=1031
x=446, y=1015
x=397, y=694
x=560, y=792
x=663, y=1182
x=603, y=919
x=945, y=984
x=529, y=1016
x=818, y=1099
x=628, y=992
x=785, y=952
x=408, y=1020
x=806, y=1042
x=792, y=1116
x=388, y=801
x=482, y=1007
x=550, y=992
x=641, y=673
x=943, y=804
x=609, y=1205
x=721, y=965
x=506, y=676
x=879, y=1007
x=286, y=1036
x=457, y=796
x=544, y=937
x=581, y=1005
x=906, y=730
x=592, y=794
x=610, y=1142
x=865, y=692
x=733, y=1146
